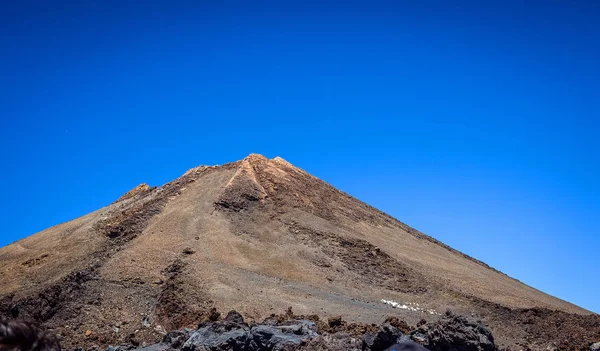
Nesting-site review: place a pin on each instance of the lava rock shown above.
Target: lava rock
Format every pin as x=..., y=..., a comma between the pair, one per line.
x=235, y=317
x=387, y=336
x=457, y=333
x=450, y=333
x=233, y=334
x=281, y=337
x=419, y=337
x=177, y=338
x=218, y=336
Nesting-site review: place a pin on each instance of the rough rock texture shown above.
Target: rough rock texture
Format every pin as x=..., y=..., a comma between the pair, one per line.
x=234, y=334
x=458, y=333
x=384, y=338
x=140, y=189
x=287, y=332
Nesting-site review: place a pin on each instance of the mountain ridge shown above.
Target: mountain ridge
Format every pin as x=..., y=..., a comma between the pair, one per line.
x=255, y=235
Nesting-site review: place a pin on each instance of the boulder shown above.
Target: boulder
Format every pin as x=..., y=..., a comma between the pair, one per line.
x=450, y=333
x=457, y=333
x=177, y=338
x=281, y=337
x=233, y=334
x=218, y=336
x=235, y=317
x=387, y=336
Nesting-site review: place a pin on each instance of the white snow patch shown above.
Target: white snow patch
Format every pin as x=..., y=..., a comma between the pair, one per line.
x=409, y=306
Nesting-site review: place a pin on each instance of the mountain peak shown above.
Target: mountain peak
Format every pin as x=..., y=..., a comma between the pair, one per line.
x=255, y=158
x=137, y=190
x=257, y=235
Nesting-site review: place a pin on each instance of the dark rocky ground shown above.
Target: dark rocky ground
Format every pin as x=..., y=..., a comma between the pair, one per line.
x=293, y=332
x=296, y=332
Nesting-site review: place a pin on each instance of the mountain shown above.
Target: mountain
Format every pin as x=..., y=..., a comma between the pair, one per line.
x=259, y=236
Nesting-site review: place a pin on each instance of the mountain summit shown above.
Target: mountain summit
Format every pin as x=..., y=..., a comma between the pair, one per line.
x=258, y=235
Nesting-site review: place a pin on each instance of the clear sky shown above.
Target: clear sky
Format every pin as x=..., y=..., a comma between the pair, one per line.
x=475, y=122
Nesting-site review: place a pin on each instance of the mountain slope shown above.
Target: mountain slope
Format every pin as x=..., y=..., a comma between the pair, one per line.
x=257, y=236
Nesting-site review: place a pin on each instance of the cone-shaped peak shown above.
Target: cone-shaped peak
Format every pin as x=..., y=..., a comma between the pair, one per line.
x=138, y=189
x=256, y=235
x=255, y=157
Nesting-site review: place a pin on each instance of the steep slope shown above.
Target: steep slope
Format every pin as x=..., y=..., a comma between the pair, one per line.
x=257, y=236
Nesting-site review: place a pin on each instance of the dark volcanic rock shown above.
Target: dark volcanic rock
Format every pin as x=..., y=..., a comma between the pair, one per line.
x=386, y=337
x=281, y=337
x=451, y=333
x=233, y=334
x=235, y=317
x=457, y=333
x=177, y=338
x=217, y=336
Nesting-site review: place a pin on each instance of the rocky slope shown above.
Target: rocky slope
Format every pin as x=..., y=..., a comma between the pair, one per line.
x=257, y=236
x=291, y=332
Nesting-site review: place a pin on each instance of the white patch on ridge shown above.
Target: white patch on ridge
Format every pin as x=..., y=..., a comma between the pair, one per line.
x=409, y=306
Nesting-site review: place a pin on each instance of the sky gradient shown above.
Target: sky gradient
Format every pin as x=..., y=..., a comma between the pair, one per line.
x=475, y=122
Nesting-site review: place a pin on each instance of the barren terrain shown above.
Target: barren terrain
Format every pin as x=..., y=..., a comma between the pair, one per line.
x=259, y=236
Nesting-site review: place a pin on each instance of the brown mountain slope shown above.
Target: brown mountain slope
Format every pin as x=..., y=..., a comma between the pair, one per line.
x=257, y=236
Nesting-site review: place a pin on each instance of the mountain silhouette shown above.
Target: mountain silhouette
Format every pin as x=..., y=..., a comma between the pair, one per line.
x=258, y=236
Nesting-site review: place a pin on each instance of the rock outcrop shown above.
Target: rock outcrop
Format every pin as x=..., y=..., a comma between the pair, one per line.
x=458, y=333
x=289, y=332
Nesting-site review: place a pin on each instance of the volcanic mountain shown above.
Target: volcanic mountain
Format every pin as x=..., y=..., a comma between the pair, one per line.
x=259, y=235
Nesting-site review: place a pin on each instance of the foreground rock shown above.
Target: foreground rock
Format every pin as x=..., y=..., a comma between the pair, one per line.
x=289, y=332
x=459, y=333
x=234, y=334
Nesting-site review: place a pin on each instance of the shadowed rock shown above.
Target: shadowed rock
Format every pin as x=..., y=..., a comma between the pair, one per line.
x=457, y=333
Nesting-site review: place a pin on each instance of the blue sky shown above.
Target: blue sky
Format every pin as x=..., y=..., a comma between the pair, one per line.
x=476, y=122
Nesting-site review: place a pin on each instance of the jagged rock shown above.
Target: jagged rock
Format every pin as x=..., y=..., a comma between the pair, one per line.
x=451, y=333
x=419, y=337
x=595, y=346
x=457, y=333
x=387, y=336
x=177, y=338
x=213, y=339
x=234, y=335
x=368, y=341
x=282, y=337
x=339, y=341
x=234, y=317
